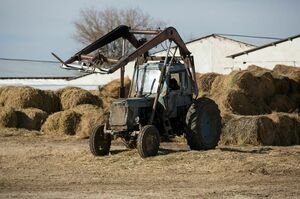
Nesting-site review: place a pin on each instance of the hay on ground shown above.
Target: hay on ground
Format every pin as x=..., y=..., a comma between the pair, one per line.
x=31, y=118
x=63, y=122
x=8, y=117
x=28, y=97
x=73, y=96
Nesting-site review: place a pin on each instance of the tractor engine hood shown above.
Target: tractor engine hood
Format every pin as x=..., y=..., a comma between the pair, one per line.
x=124, y=113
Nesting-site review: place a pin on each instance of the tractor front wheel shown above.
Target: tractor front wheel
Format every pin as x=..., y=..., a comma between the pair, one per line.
x=148, y=141
x=99, y=141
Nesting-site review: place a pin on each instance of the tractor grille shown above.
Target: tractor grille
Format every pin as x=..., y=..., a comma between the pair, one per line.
x=118, y=113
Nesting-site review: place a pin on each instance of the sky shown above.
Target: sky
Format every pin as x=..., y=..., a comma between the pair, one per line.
x=32, y=29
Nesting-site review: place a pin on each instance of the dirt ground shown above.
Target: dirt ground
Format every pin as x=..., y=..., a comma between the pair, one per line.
x=36, y=166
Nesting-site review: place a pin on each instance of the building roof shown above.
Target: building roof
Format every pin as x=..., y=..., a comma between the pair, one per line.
x=44, y=78
x=264, y=46
x=217, y=35
x=213, y=35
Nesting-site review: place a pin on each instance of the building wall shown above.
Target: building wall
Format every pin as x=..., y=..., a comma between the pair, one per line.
x=287, y=53
x=88, y=82
x=210, y=54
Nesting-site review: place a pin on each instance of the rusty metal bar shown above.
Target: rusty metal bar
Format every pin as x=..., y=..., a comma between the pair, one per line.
x=146, y=32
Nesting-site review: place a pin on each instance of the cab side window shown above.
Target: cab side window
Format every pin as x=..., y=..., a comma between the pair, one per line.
x=174, y=82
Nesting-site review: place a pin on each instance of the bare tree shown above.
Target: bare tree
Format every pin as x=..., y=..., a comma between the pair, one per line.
x=93, y=24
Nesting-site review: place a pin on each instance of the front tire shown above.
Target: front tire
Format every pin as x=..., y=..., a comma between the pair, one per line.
x=99, y=141
x=203, y=122
x=148, y=141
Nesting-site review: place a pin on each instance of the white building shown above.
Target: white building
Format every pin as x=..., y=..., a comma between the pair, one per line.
x=285, y=51
x=52, y=82
x=210, y=53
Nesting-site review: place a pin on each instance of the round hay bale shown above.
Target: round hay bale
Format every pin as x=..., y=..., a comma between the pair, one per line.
x=8, y=117
x=288, y=128
x=296, y=99
x=52, y=102
x=293, y=73
x=112, y=88
x=205, y=81
x=63, y=122
x=254, y=86
x=257, y=70
x=282, y=103
x=73, y=96
x=266, y=86
x=237, y=102
x=91, y=116
x=282, y=85
x=31, y=118
x=28, y=97
x=252, y=130
x=245, y=81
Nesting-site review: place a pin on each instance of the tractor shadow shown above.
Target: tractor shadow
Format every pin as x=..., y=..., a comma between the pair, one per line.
x=165, y=151
x=255, y=150
x=117, y=151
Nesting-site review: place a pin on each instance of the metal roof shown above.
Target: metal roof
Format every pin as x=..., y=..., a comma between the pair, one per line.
x=217, y=35
x=54, y=78
x=213, y=35
x=264, y=46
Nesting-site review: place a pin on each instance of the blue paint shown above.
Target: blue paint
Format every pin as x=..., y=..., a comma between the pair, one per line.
x=206, y=133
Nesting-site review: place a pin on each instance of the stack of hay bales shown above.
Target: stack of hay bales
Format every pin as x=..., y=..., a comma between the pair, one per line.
x=70, y=111
x=27, y=97
x=80, y=112
x=251, y=99
x=26, y=107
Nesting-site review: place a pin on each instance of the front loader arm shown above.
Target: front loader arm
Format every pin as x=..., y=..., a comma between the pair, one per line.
x=167, y=34
x=121, y=31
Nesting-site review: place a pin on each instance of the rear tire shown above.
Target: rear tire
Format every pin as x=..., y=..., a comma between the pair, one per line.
x=148, y=141
x=203, y=122
x=99, y=141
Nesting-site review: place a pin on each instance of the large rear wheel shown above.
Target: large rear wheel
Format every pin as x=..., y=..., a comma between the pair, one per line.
x=148, y=141
x=99, y=141
x=203, y=122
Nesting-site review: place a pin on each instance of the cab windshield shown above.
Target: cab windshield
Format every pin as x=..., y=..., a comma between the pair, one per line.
x=147, y=79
